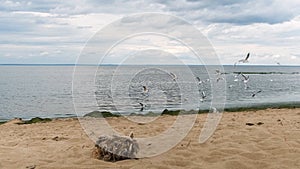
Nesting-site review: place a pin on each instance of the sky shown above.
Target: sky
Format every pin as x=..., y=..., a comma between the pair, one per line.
x=53, y=31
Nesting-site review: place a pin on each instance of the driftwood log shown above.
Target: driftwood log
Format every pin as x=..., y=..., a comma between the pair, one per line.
x=115, y=148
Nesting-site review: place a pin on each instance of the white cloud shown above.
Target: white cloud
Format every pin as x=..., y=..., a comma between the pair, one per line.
x=268, y=28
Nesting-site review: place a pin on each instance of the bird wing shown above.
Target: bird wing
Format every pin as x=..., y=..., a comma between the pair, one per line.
x=247, y=57
x=203, y=94
x=173, y=75
x=245, y=77
x=198, y=78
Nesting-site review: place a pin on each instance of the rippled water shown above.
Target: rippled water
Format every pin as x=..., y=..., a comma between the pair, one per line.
x=46, y=91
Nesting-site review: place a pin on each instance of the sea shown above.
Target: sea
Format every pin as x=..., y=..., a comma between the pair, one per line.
x=28, y=91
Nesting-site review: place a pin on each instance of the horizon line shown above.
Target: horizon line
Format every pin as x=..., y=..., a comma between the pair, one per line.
x=73, y=64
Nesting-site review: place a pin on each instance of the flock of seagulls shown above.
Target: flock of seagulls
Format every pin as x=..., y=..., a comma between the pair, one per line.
x=146, y=91
x=245, y=79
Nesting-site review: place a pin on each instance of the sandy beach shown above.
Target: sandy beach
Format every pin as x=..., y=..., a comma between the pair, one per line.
x=272, y=142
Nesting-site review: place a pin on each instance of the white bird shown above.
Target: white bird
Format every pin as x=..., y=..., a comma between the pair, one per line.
x=246, y=80
x=220, y=78
x=254, y=94
x=236, y=77
x=199, y=80
x=142, y=106
x=230, y=86
x=218, y=73
x=203, y=96
x=174, y=77
x=145, y=89
x=243, y=60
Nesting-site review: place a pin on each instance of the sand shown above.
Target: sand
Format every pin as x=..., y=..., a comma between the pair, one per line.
x=62, y=143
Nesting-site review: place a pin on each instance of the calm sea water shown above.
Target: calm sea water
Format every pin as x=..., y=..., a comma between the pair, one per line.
x=46, y=91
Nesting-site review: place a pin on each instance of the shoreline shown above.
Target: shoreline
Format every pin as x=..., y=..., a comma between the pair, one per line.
x=100, y=114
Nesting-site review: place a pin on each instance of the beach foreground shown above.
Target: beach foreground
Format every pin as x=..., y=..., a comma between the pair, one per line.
x=272, y=142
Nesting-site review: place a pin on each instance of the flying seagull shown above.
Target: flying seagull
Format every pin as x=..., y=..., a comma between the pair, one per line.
x=199, y=80
x=142, y=106
x=203, y=96
x=145, y=89
x=254, y=94
x=174, y=77
x=220, y=78
x=243, y=60
x=218, y=73
x=236, y=77
x=246, y=80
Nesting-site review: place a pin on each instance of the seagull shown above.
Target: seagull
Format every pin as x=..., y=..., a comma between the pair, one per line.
x=174, y=77
x=199, y=80
x=142, y=106
x=218, y=73
x=254, y=94
x=236, y=77
x=145, y=89
x=243, y=60
x=203, y=96
x=278, y=63
x=220, y=78
x=246, y=80
x=230, y=86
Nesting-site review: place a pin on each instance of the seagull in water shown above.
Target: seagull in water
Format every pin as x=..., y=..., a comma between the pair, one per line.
x=243, y=60
x=254, y=94
x=174, y=77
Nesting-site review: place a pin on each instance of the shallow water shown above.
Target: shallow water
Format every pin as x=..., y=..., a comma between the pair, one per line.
x=46, y=91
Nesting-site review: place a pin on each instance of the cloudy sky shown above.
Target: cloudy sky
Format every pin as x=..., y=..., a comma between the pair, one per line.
x=53, y=31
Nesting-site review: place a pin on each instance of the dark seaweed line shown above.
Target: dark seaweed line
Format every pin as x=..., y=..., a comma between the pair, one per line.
x=266, y=72
x=105, y=114
x=256, y=107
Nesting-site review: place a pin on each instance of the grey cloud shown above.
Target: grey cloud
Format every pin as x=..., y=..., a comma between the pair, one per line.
x=236, y=12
